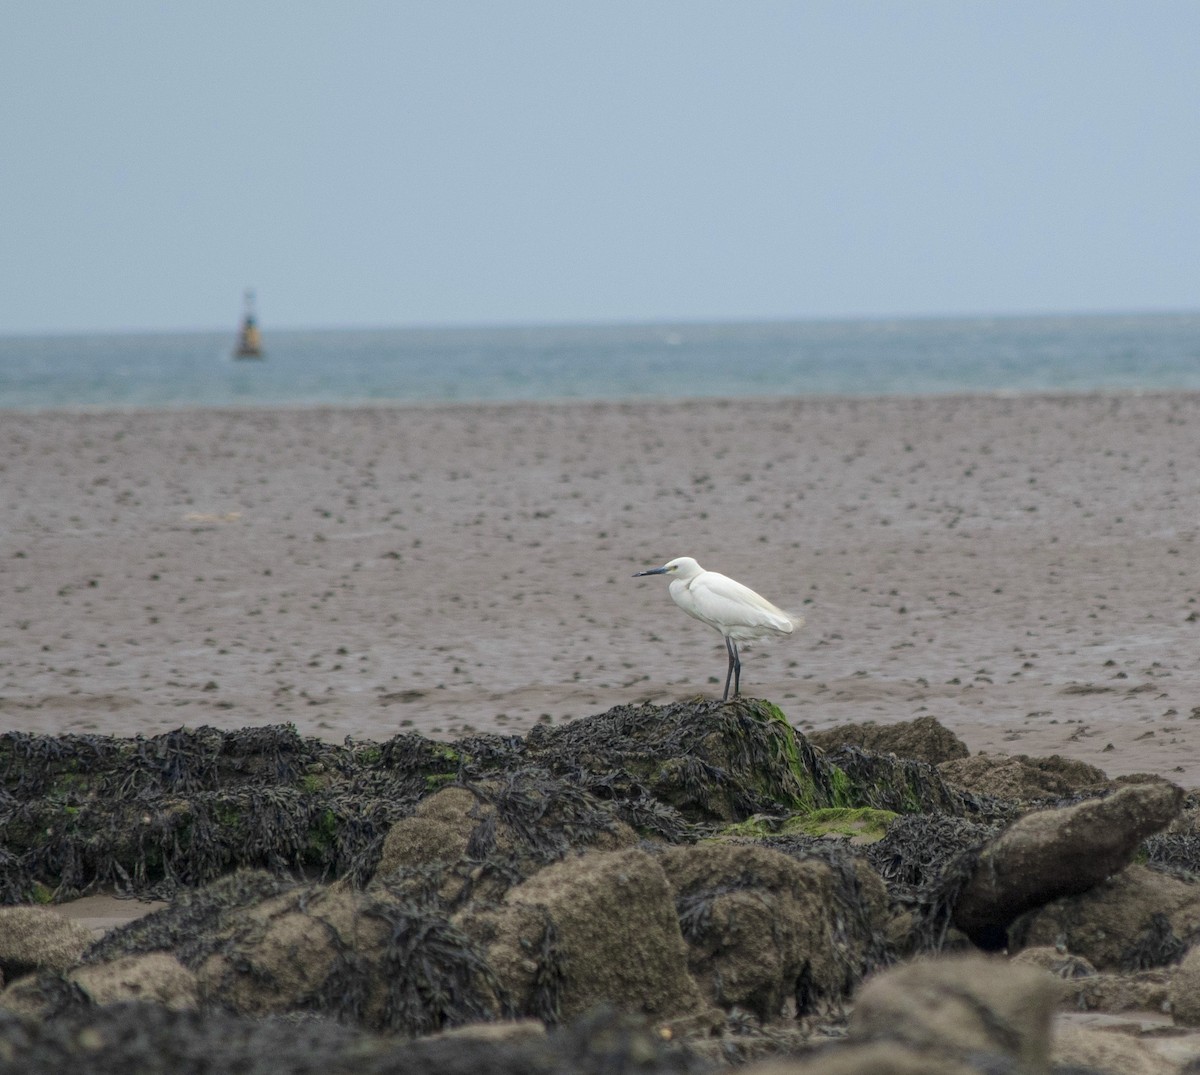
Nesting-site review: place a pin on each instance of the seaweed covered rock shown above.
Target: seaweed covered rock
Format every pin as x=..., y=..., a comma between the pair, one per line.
x=386, y=963
x=489, y=835
x=1021, y=778
x=180, y=762
x=585, y=931
x=711, y=761
x=916, y=851
x=902, y=785
x=149, y=815
x=1136, y=919
x=923, y=739
x=771, y=934
x=925, y=860
x=152, y=816
x=1053, y=853
x=284, y=953
x=259, y=945
x=722, y=762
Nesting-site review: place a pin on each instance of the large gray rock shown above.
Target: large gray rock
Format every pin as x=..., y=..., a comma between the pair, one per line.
x=1184, y=990
x=437, y=832
x=155, y=976
x=1096, y=1049
x=1137, y=919
x=1054, y=853
x=767, y=933
x=597, y=929
x=959, y=1009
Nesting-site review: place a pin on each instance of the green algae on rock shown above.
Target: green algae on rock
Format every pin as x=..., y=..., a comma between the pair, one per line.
x=860, y=824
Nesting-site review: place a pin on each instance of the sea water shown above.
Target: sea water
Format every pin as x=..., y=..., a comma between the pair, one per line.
x=611, y=362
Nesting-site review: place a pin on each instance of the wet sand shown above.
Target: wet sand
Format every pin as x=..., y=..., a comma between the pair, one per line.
x=1023, y=569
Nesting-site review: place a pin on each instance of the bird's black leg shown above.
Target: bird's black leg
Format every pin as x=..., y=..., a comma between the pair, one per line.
x=734, y=671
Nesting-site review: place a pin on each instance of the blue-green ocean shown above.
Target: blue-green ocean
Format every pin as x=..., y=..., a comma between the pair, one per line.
x=610, y=362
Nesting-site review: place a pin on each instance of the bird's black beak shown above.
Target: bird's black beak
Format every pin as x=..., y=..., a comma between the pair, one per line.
x=652, y=571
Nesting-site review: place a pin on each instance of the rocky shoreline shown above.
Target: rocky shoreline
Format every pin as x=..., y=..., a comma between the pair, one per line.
x=658, y=889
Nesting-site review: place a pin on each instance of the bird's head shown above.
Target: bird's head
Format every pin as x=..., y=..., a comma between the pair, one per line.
x=683, y=567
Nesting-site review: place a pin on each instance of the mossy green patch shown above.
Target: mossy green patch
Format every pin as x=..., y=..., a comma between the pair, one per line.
x=842, y=794
x=861, y=822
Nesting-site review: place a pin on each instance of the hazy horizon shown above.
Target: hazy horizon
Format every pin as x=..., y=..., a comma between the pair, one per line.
x=649, y=323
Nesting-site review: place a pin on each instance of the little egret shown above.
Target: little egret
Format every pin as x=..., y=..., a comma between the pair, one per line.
x=735, y=610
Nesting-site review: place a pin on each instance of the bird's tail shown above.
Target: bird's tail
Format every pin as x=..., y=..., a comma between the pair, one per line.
x=795, y=622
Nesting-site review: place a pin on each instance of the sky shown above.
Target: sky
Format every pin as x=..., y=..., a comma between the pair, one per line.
x=444, y=162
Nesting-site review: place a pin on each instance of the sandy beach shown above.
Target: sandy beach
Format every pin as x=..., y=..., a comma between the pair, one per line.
x=1023, y=569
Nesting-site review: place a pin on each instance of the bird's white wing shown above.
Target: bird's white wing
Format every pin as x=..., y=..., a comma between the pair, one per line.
x=732, y=608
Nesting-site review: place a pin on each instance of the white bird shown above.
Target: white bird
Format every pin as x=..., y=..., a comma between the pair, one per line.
x=735, y=610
